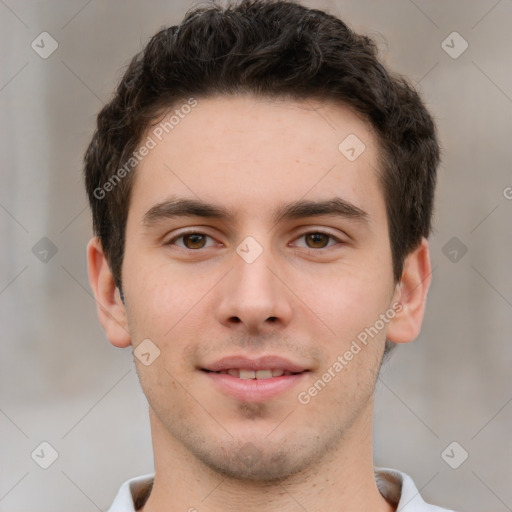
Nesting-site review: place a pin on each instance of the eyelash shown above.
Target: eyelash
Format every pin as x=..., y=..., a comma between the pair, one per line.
x=315, y=232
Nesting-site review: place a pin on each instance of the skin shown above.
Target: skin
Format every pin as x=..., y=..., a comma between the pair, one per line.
x=296, y=300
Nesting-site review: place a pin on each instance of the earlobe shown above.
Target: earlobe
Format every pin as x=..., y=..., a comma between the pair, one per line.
x=110, y=307
x=411, y=293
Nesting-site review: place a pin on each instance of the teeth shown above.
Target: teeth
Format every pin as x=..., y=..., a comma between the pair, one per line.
x=264, y=374
x=255, y=374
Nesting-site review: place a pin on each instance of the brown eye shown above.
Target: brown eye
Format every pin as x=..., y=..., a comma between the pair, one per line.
x=194, y=241
x=317, y=240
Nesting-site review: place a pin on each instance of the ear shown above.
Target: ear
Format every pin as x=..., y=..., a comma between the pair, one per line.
x=111, y=310
x=411, y=293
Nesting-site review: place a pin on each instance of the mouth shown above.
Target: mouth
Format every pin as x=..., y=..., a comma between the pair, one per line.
x=254, y=374
x=254, y=380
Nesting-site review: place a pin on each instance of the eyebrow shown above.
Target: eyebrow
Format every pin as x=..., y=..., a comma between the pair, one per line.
x=182, y=207
x=335, y=207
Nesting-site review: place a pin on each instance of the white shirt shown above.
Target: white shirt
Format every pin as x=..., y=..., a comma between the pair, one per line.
x=396, y=487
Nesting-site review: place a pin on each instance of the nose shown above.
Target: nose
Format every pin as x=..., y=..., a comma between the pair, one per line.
x=253, y=297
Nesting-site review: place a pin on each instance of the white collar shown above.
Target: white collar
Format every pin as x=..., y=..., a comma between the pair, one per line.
x=394, y=485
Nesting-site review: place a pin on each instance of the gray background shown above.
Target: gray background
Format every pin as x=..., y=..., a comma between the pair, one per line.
x=62, y=382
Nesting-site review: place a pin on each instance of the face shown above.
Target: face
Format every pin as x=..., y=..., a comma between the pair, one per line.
x=253, y=296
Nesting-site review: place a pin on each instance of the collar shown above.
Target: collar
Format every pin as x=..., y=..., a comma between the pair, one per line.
x=395, y=486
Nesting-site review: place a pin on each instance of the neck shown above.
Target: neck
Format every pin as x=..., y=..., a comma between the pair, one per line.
x=341, y=480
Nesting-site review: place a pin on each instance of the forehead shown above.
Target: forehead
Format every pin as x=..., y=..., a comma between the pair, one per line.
x=250, y=154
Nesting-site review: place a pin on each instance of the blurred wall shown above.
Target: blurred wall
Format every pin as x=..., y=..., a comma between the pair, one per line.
x=64, y=384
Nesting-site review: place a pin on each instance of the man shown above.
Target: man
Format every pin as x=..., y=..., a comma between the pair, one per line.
x=262, y=190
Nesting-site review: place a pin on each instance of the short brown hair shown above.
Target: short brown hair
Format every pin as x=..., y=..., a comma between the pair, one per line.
x=272, y=49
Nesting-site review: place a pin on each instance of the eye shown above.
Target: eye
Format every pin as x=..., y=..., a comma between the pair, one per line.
x=191, y=240
x=318, y=240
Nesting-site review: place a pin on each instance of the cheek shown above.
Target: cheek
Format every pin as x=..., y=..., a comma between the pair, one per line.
x=152, y=302
x=165, y=305
x=348, y=301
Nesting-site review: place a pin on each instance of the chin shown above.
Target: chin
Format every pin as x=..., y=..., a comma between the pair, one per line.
x=262, y=460
x=250, y=463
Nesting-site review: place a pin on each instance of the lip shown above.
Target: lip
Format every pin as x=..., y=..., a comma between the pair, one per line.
x=254, y=390
x=259, y=363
